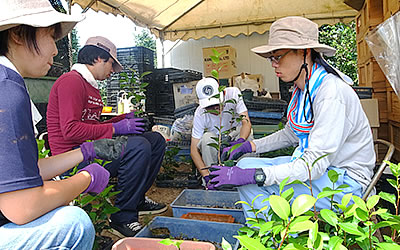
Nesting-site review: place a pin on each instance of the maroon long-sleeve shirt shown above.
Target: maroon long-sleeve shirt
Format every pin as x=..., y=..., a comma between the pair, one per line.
x=73, y=114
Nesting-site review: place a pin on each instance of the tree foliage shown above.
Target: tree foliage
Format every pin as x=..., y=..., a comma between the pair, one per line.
x=146, y=40
x=342, y=37
x=74, y=45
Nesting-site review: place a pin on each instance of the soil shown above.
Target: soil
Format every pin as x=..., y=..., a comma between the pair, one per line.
x=163, y=195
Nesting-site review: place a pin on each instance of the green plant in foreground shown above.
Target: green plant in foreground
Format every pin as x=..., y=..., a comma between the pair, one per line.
x=168, y=242
x=98, y=207
x=351, y=224
x=41, y=150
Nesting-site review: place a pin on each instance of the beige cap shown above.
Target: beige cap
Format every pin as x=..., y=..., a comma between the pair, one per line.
x=38, y=13
x=293, y=33
x=107, y=45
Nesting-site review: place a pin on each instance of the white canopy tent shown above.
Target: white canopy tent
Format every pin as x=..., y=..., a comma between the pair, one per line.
x=184, y=19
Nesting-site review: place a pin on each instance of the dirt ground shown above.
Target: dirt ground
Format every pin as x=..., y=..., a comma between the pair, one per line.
x=163, y=195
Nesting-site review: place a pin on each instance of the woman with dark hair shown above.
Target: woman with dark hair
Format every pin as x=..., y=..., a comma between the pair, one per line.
x=33, y=208
x=325, y=121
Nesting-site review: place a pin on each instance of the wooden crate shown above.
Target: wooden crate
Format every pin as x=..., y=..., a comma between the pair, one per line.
x=382, y=105
x=362, y=75
x=393, y=107
x=394, y=131
x=390, y=7
x=374, y=72
x=369, y=17
x=363, y=51
x=370, y=75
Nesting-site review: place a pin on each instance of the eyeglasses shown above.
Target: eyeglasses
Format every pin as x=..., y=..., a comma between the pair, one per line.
x=276, y=59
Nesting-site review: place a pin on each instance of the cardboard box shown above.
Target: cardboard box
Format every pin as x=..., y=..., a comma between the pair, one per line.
x=370, y=107
x=227, y=61
x=247, y=81
x=185, y=93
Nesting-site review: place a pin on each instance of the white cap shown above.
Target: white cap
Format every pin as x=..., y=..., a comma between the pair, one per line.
x=206, y=88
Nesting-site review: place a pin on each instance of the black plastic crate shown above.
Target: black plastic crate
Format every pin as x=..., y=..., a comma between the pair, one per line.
x=138, y=55
x=286, y=90
x=363, y=92
x=266, y=104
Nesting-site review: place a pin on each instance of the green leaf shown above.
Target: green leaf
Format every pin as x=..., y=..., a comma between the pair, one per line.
x=215, y=74
x=388, y=197
x=361, y=214
x=288, y=194
x=250, y=243
x=225, y=244
x=334, y=242
x=329, y=216
x=388, y=246
x=333, y=176
x=280, y=206
x=283, y=184
x=293, y=246
x=301, y=226
x=392, y=182
x=346, y=199
x=351, y=228
x=302, y=204
x=214, y=145
x=372, y=201
x=360, y=203
x=324, y=194
x=343, y=186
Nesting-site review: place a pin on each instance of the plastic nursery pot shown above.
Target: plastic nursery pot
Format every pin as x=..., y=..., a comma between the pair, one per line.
x=209, y=217
x=131, y=243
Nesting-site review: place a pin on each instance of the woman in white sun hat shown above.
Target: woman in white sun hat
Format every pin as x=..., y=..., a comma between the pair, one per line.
x=33, y=209
x=325, y=117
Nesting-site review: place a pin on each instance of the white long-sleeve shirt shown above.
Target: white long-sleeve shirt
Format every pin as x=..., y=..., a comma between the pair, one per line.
x=341, y=129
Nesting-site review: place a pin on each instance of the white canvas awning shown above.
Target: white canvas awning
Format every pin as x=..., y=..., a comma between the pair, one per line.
x=185, y=19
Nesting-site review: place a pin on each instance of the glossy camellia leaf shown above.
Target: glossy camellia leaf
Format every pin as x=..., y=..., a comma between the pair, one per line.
x=293, y=246
x=301, y=226
x=388, y=197
x=329, y=193
x=351, y=228
x=302, y=204
x=329, y=216
x=361, y=214
x=360, y=203
x=334, y=242
x=388, y=246
x=250, y=243
x=225, y=245
x=372, y=201
x=280, y=206
x=333, y=176
x=215, y=73
x=346, y=199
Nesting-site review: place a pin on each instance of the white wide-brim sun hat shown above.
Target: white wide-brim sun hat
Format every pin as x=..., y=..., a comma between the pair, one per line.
x=38, y=13
x=293, y=32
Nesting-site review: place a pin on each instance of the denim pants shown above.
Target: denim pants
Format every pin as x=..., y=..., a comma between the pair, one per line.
x=248, y=192
x=67, y=227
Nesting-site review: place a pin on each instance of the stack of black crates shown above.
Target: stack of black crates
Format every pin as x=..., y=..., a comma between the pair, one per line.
x=160, y=93
x=139, y=59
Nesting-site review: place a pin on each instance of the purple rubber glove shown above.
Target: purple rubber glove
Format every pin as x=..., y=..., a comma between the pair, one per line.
x=130, y=115
x=208, y=184
x=240, y=140
x=100, y=177
x=129, y=126
x=235, y=151
x=106, y=149
x=229, y=177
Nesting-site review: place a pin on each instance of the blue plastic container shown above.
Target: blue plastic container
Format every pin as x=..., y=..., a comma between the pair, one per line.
x=192, y=229
x=208, y=201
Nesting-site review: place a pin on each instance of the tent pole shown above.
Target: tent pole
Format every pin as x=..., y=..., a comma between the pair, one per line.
x=162, y=49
